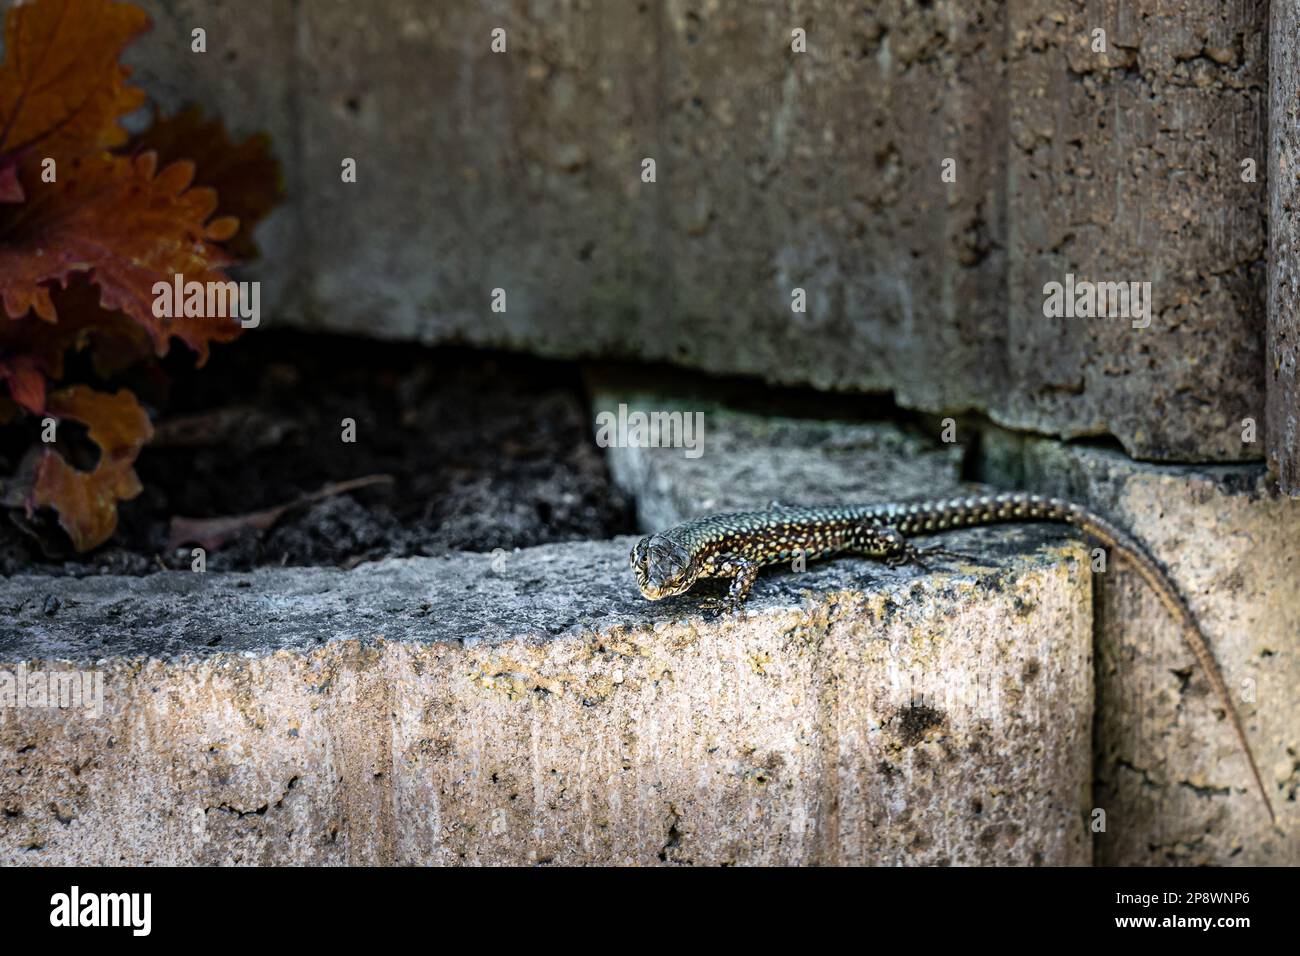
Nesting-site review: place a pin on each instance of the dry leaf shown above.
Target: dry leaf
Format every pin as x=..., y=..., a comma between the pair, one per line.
x=62, y=90
x=26, y=381
x=80, y=257
x=130, y=227
x=30, y=347
x=11, y=190
x=245, y=175
x=211, y=533
x=86, y=502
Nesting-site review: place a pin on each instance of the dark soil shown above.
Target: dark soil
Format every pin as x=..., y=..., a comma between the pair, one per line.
x=485, y=451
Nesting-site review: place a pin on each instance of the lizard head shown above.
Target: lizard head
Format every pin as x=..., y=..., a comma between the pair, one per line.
x=662, y=567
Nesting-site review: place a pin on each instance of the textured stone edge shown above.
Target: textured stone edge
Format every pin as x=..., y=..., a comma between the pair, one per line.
x=836, y=721
x=1282, y=428
x=530, y=707
x=1169, y=772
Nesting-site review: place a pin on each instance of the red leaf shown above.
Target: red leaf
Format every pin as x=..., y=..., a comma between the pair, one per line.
x=86, y=502
x=129, y=227
x=26, y=382
x=245, y=175
x=62, y=90
x=30, y=346
x=11, y=190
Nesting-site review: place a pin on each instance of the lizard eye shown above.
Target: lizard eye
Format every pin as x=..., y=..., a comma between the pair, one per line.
x=639, y=559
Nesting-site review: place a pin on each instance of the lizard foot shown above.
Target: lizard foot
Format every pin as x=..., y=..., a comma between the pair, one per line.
x=914, y=555
x=715, y=608
x=940, y=551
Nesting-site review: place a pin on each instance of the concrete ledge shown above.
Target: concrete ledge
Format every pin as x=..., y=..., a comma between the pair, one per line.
x=432, y=711
x=747, y=460
x=531, y=708
x=1282, y=358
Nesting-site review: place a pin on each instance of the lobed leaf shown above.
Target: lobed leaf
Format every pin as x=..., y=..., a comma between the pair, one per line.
x=128, y=226
x=30, y=347
x=86, y=502
x=245, y=175
x=26, y=381
x=62, y=90
x=80, y=257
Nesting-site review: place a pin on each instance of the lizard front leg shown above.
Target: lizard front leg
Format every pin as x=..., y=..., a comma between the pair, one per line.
x=742, y=572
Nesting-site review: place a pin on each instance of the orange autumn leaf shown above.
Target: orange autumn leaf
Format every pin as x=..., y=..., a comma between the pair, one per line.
x=129, y=226
x=114, y=341
x=62, y=90
x=81, y=257
x=26, y=380
x=11, y=190
x=86, y=502
x=32, y=350
x=245, y=175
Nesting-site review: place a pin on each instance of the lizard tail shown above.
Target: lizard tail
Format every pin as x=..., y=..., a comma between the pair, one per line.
x=1113, y=538
x=928, y=517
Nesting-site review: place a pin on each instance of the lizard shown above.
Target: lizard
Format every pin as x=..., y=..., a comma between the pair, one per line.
x=735, y=545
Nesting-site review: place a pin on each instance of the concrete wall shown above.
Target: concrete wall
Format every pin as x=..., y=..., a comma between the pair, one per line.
x=776, y=171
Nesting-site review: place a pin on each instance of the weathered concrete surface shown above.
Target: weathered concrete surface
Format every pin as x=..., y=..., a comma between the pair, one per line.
x=531, y=708
x=1282, y=368
x=1169, y=771
x=1126, y=165
x=479, y=171
x=778, y=170
x=748, y=460
x=434, y=711
x=822, y=171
